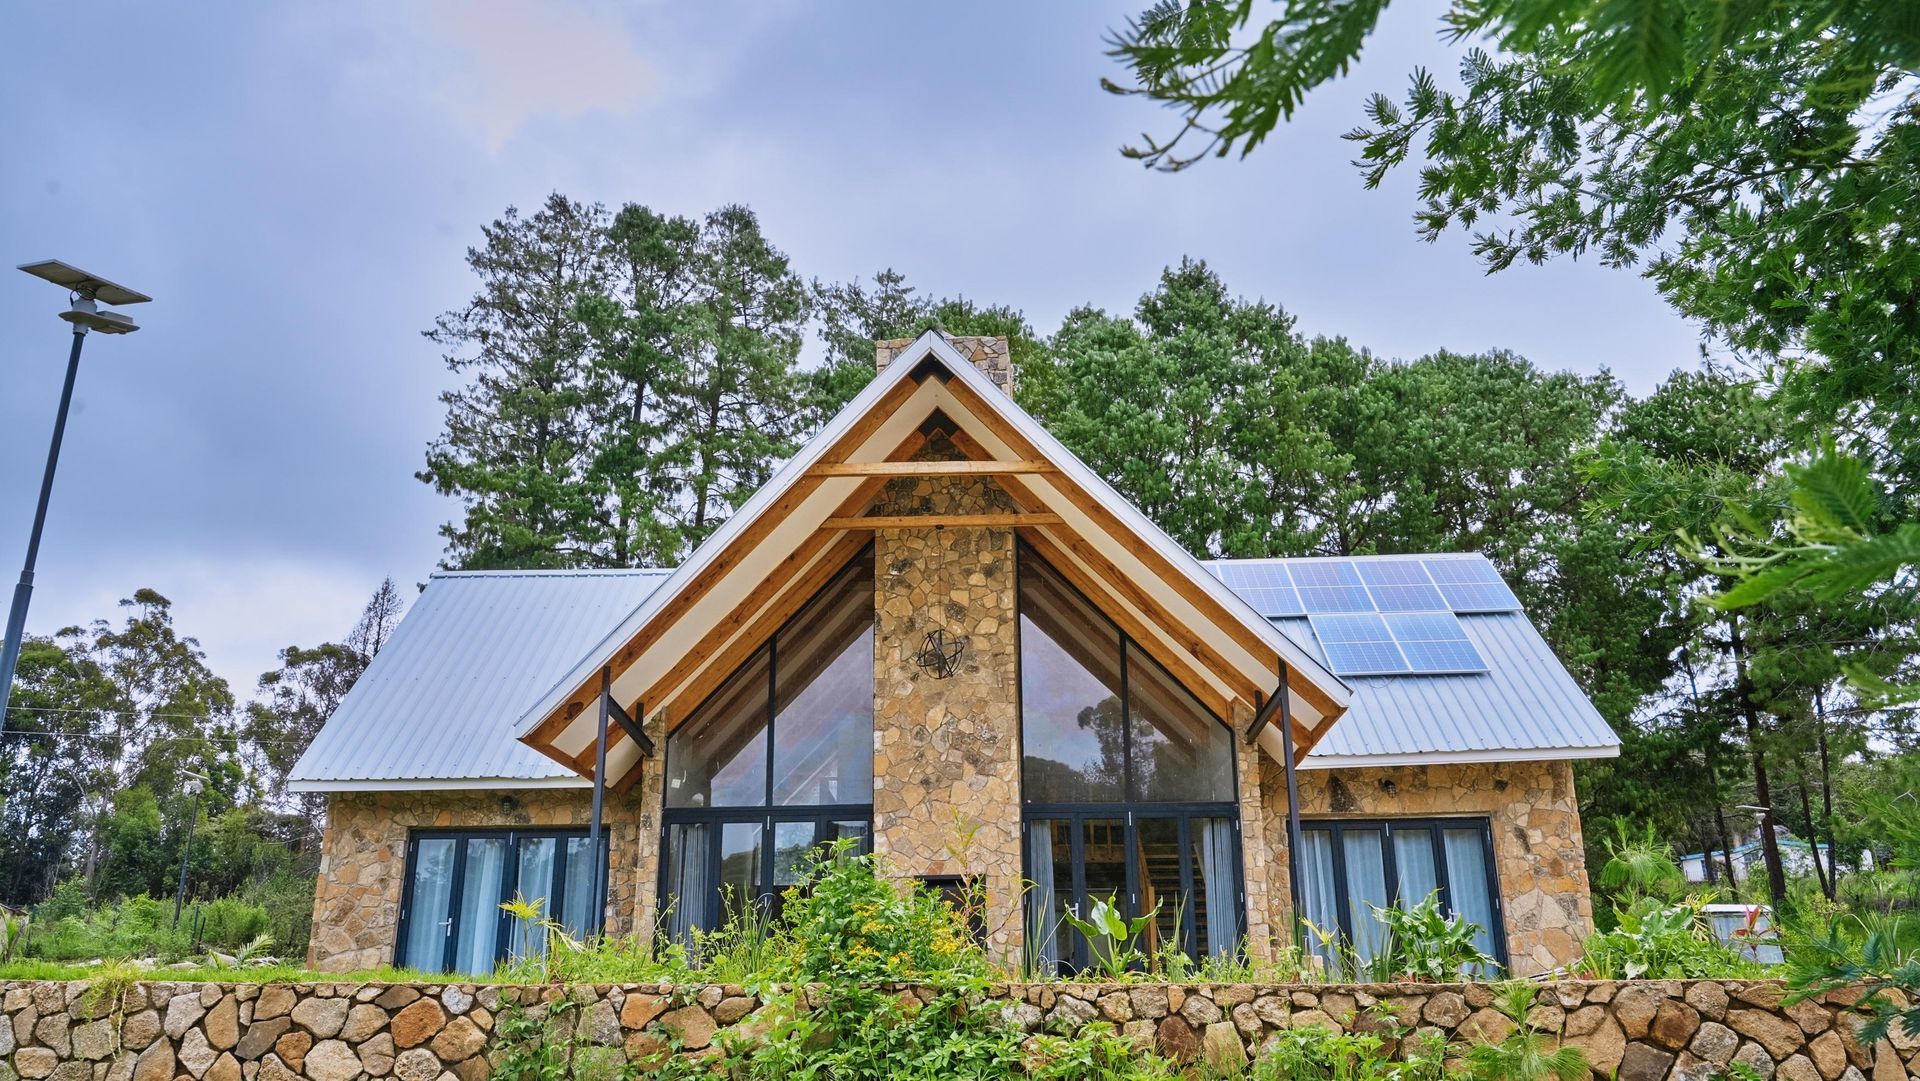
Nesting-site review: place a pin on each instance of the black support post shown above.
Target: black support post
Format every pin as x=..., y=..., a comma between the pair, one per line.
x=598, y=854
x=1295, y=842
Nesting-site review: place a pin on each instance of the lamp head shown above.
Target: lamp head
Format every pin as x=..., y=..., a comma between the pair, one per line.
x=86, y=315
x=89, y=292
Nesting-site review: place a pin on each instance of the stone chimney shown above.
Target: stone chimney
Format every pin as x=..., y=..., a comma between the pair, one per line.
x=989, y=354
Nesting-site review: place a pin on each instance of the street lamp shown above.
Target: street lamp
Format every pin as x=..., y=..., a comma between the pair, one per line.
x=195, y=782
x=83, y=311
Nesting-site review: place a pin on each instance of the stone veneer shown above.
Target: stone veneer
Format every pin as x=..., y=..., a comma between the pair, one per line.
x=1539, y=857
x=991, y=355
x=946, y=768
x=1630, y=1031
x=356, y=904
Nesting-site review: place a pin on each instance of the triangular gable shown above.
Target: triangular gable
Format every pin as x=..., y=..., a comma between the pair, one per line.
x=802, y=526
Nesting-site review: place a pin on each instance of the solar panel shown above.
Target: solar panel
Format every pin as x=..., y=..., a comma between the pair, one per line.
x=1358, y=645
x=1471, y=585
x=1400, y=585
x=1266, y=586
x=1330, y=585
x=1434, y=643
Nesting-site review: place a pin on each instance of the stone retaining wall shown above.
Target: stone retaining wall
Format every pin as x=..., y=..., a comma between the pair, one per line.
x=1639, y=1031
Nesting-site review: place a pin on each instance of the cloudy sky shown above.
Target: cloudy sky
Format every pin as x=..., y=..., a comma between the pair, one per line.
x=296, y=184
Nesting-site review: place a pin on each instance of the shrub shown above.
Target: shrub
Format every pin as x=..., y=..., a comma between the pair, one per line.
x=1867, y=952
x=231, y=923
x=1657, y=941
x=1422, y=944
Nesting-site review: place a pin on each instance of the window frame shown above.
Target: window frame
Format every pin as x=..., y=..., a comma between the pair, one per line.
x=510, y=883
x=1126, y=809
x=1385, y=827
x=765, y=814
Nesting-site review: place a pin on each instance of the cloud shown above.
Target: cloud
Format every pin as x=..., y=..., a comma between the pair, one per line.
x=497, y=64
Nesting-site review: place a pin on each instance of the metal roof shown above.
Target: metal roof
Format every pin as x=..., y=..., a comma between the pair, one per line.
x=439, y=706
x=1526, y=705
x=439, y=702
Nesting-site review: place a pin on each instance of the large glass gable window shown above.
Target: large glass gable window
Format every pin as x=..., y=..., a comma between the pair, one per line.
x=776, y=762
x=1127, y=783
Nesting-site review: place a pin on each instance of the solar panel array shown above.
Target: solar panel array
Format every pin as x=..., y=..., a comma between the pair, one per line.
x=1281, y=588
x=1378, y=616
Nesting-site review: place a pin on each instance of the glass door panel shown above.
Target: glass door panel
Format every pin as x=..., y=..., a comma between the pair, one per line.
x=740, y=856
x=1103, y=864
x=535, y=883
x=1157, y=846
x=1216, y=891
x=1319, y=892
x=1050, y=869
x=576, y=888
x=1365, y=856
x=1467, y=891
x=477, y=927
x=1414, y=866
x=430, y=908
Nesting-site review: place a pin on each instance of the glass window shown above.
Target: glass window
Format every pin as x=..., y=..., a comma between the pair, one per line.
x=450, y=915
x=1180, y=753
x=776, y=763
x=1069, y=694
x=1348, y=867
x=823, y=697
x=718, y=758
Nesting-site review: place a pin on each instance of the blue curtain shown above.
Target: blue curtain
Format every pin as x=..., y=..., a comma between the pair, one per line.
x=1467, y=883
x=1223, y=905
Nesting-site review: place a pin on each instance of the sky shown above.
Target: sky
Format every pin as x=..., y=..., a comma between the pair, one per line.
x=297, y=184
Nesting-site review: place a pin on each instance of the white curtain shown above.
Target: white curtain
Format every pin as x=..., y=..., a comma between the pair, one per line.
x=690, y=889
x=1317, y=888
x=475, y=951
x=1223, y=905
x=1467, y=883
x=431, y=905
x=1413, y=859
x=1366, y=888
x=1043, y=925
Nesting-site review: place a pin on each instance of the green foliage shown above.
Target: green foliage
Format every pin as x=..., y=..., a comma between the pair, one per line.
x=542, y=1043
x=139, y=926
x=1638, y=866
x=1654, y=940
x=1111, y=936
x=1314, y=1053
x=1873, y=953
x=1526, y=1054
x=1420, y=943
x=847, y=922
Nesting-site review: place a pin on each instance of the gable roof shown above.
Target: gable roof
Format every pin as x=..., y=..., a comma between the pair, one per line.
x=438, y=703
x=439, y=706
x=798, y=528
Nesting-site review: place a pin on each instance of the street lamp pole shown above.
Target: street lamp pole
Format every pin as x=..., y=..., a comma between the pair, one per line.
x=85, y=314
x=194, y=786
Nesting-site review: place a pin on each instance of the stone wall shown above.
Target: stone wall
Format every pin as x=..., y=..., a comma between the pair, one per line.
x=1642, y=1031
x=990, y=355
x=1539, y=856
x=946, y=767
x=356, y=905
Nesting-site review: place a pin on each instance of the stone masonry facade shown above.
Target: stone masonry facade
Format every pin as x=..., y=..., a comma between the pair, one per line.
x=1539, y=855
x=356, y=905
x=1630, y=1031
x=946, y=768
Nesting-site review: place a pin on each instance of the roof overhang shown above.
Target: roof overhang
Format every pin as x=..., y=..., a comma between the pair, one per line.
x=709, y=616
x=442, y=784
x=1446, y=758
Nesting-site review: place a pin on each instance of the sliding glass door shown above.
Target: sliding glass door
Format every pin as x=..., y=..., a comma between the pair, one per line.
x=450, y=915
x=1349, y=869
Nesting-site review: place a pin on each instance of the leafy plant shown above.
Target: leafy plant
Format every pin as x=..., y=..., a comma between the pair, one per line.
x=542, y=1043
x=1111, y=935
x=1423, y=944
x=1657, y=941
x=1865, y=952
x=1314, y=1053
x=1638, y=865
x=1526, y=1054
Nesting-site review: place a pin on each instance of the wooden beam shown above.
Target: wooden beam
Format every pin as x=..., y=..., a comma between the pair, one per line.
x=928, y=521
x=927, y=469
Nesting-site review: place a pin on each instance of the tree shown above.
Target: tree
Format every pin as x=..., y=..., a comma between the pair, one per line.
x=51, y=759
x=297, y=698
x=516, y=440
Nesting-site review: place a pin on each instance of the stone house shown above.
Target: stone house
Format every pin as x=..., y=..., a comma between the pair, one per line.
x=939, y=634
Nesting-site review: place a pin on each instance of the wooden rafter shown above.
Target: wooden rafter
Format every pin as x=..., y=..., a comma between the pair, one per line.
x=928, y=521
x=928, y=469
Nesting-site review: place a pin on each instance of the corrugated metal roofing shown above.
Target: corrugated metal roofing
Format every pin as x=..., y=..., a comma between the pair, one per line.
x=437, y=708
x=440, y=701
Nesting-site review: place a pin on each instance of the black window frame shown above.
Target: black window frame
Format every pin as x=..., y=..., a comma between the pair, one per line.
x=1184, y=812
x=765, y=814
x=510, y=884
x=1343, y=907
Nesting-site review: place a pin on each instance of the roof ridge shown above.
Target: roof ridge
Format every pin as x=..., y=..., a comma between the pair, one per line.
x=553, y=572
